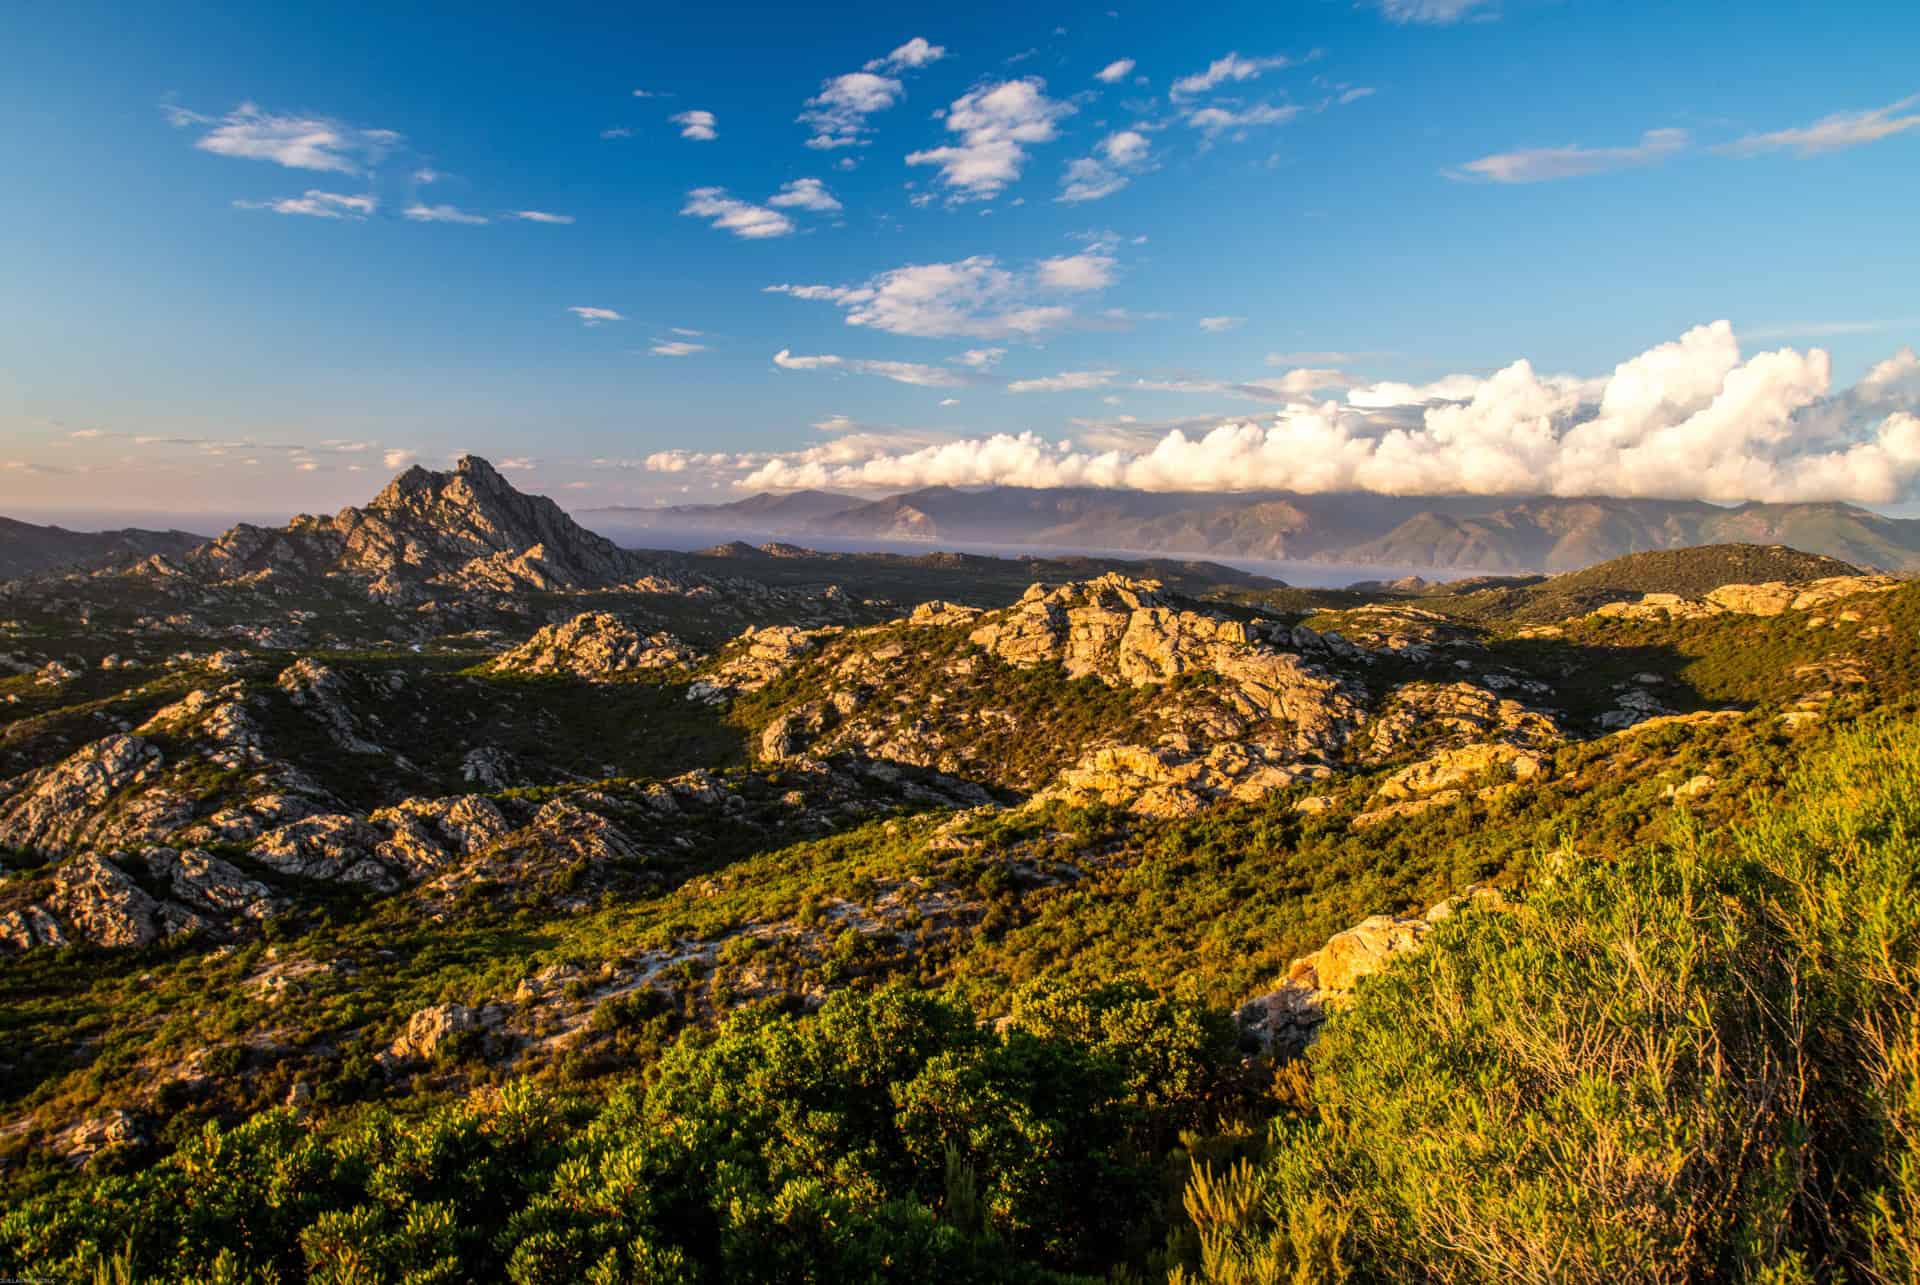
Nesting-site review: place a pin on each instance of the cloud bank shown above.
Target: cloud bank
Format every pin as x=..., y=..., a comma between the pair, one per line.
x=1690, y=419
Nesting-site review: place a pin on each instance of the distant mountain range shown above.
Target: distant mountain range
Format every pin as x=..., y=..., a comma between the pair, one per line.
x=1459, y=533
x=26, y=549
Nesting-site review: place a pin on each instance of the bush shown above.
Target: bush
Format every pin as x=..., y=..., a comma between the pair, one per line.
x=1701, y=1062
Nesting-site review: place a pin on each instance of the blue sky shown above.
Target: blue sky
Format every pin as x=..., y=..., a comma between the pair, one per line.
x=252, y=257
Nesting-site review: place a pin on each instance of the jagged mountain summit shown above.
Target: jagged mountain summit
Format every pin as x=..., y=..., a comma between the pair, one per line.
x=464, y=529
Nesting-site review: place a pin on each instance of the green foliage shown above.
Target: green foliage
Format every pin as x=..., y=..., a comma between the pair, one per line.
x=1693, y=1063
x=891, y=1136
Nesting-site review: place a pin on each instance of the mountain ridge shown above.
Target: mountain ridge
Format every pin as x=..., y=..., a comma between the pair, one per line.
x=1500, y=535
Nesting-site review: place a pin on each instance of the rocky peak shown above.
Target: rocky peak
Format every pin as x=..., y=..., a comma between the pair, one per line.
x=467, y=528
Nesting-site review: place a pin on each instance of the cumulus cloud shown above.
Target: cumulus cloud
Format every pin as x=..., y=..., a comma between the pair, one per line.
x=974, y=298
x=700, y=126
x=1116, y=157
x=838, y=113
x=595, y=316
x=1831, y=133
x=540, y=216
x=1216, y=325
x=980, y=358
x=441, y=214
x=398, y=459
x=1542, y=164
x=1114, y=72
x=675, y=348
x=1231, y=69
x=1437, y=12
x=297, y=142
x=917, y=52
x=1693, y=418
x=742, y=218
x=900, y=372
x=317, y=204
x=805, y=194
x=996, y=124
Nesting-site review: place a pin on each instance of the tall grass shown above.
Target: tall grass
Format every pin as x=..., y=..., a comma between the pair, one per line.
x=1700, y=1062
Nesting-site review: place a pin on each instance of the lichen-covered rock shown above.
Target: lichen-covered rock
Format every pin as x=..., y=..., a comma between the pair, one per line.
x=938, y=614
x=1453, y=768
x=594, y=645
x=438, y=1028
x=333, y=846
x=756, y=658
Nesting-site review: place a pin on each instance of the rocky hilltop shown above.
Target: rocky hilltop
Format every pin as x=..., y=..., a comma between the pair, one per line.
x=467, y=529
x=26, y=549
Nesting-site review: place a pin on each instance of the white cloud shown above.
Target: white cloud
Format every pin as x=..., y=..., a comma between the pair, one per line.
x=441, y=214
x=1292, y=386
x=996, y=124
x=900, y=372
x=398, y=459
x=1068, y=381
x=1231, y=69
x=297, y=142
x=618, y=131
x=650, y=93
x=518, y=464
x=675, y=348
x=915, y=53
x=424, y=176
x=972, y=298
x=1451, y=388
x=1437, y=12
x=1088, y=270
x=805, y=194
x=1215, y=325
x=595, y=316
x=1091, y=177
x=698, y=125
x=1214, y=121
x=742, y=218
x=317, y=204
x=691, y=334
x=1688, y=419
x=540, y=216
x=1543, y=164
x=838, y=113
x=1831, y=133
x=1114, y=72
x=949, y=401
x=980, y=358
x=1355, y=94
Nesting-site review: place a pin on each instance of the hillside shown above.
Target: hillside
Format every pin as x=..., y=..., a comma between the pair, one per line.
x=737, y=921
x=26, y=549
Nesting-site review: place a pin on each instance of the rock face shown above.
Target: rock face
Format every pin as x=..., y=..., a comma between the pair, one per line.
x=468, y=529
x=1284, y=1021
x=437, y=1029
x=756, y=658
x=106, y=907
x=594, y=645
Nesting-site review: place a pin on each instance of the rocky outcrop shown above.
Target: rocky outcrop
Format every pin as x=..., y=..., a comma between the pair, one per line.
x=390, y=848
x=1178, y=778
x=1282, y=1022
x=1125, y=631
x=103, y=905
x=30, y=926
x=1772, y=598
x=439, y=1029
x=325, y=695
x=55, y=809
x=756, y=658
x=594, y=645
x=1425, y=714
